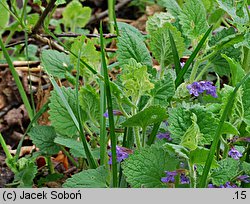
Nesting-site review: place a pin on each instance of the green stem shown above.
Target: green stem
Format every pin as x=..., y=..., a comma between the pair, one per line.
x=103, y=132
x=153, y=133
x=18, y=82
x=69, y=156
x=111, y=12
x=50, y=165
x=192, y=175
x=5, y=148
x=88, y=130
x=194, y=71
x=229, y=105
x=144, y=137
x=204, y=70
x=110, y=110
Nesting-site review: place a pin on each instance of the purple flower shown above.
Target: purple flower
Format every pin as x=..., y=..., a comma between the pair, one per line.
x=197, y=88
x=169, y=177
x=244, y=178
x=165, y=135
x=184, y=179
x=182, y=64
x=211, y=186
x=228, y=185
x=115, y=112
x=121, y=154
x=234, y=153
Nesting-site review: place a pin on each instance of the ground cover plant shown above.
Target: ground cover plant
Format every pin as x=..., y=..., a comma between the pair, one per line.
x=164, y=107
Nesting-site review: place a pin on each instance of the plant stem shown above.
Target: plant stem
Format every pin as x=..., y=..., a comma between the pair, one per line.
x=103, y=132
x=69, y=156
x=5, y=148
x=111, y=12
x=50, y=165
x=17, y=80
x=153, y=133
x=203, y=180
x=110, y=110
x=143, y=137
x=194, y=71
x=206, y=67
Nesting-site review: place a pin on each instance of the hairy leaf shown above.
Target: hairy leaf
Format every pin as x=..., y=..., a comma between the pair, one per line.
x=163, y=90
x=135, y=79
x=59, y=116
x=89, y=101
x=74, y=15
x=192, y=135
x=43, y=137
x=228, y=169
x=161, y=46
x=4, y=16
x=56, y=63
x=148, y=116
x=157, y=21
x=131, y=46
x=91, y=178
x=193, y=19
x=246, y=101
x=146, y=167
x=172, y=6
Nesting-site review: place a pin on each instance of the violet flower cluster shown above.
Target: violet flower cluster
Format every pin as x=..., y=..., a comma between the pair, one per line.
x=163, y=135
x=234, y=153
x=170, y=177
x=197, y=88
x=226, y=185
x=121, y=154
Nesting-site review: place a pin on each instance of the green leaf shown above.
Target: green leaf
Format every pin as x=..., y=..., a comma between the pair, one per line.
x=246, y=167
x=157, y=21
x=135, y=79
x=75, y=16
x=231, y=8
x=246, y=101
x=237, y=73
x=56, y=63
x=199, y=156
x=43, y=137
x=76, y=147
x=179, y=121
x=228, y=128
x=88, y=54
x=228, y=169
x=91, y=178
x=26, y=174
x=150, y=115
x=126, y=26
x=4, y=16
x=59, y=2
x=193, y=19
x=146, y=167
x=89, y=102
x=50, y=178
x=131, y=46
x=236, y=115
x=59, y=116
x=161, y=46
x=192, y=135
x=179, y=150
x=207, y=124
x=163, y=90
x=172, y=6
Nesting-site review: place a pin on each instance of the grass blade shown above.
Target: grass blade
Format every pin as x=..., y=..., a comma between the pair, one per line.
x=179, y=78
x=18, y=82
x=110, y=110
x=228, y=108
x=175, y=55
x=153, y=133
